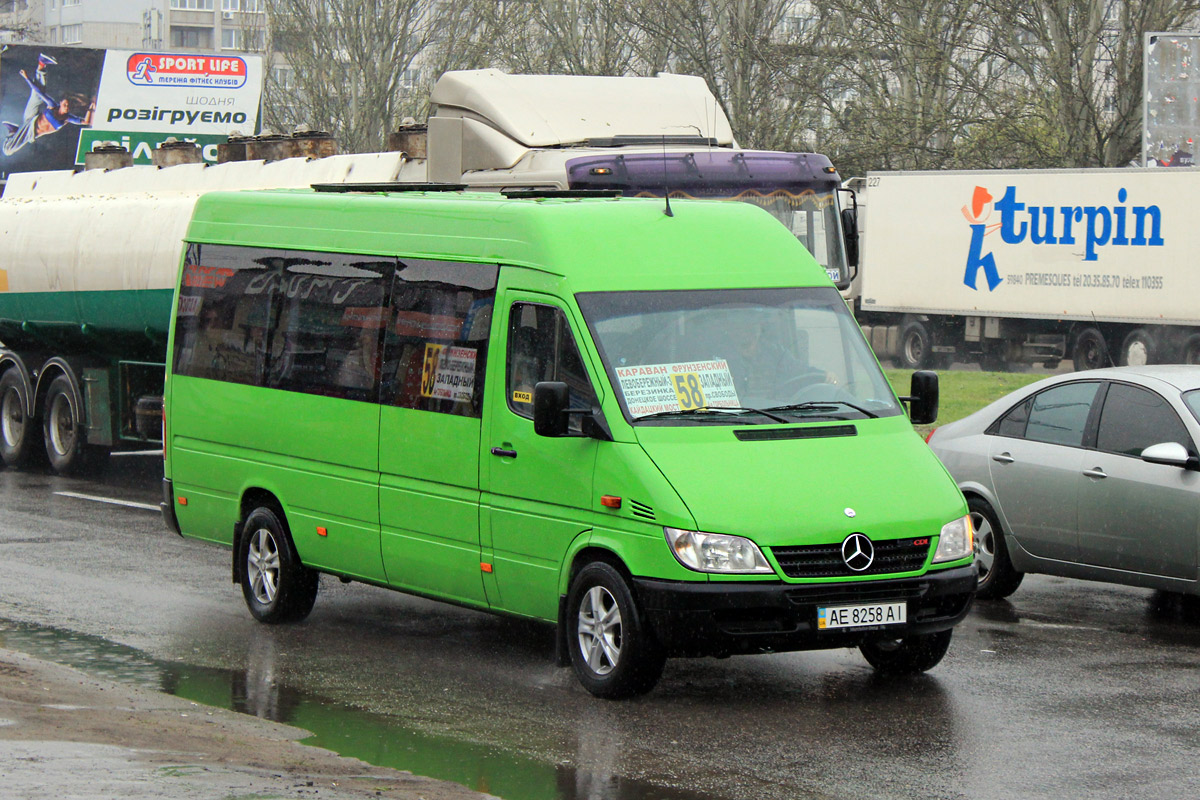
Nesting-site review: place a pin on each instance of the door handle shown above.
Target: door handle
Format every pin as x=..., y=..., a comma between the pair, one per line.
x=1003, y=458
x=500, y=451
x=1095, y=473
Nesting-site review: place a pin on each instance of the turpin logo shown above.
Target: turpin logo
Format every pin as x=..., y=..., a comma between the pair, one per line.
x=858, y=552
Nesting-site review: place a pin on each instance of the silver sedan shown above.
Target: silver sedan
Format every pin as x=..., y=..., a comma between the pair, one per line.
x=1091, y=475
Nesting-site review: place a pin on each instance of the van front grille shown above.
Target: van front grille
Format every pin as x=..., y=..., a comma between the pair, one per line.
x=825, y=560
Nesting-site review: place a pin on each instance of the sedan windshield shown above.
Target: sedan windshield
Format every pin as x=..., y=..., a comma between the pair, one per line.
x=744, y=356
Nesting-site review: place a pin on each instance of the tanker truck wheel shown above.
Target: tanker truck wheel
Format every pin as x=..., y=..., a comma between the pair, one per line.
x=16, y=427
x=63, y=430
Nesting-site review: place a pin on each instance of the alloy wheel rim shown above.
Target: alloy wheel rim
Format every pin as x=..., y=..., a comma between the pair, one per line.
x=600, y=630
x=262, y=566
x=985, y=545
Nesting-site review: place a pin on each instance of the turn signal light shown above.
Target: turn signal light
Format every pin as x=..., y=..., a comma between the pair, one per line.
x=485, y=566
x=610, y=501
x=183, y=501
x=322, y=531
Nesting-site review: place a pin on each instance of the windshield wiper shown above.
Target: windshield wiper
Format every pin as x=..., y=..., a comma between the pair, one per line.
x=719, y=410
x=817, y=405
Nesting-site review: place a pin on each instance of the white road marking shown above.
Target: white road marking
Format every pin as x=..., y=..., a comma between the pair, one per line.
x=111, y=500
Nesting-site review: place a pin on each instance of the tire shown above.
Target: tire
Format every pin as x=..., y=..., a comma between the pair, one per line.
x=1139, y=349
x=997, y=578
x=1189, y=353
x=912, y=654
x=916, y=346
x=1090, y=350
x=62, y=427
x=16, y=427
x=614, y=653
x=277, y=587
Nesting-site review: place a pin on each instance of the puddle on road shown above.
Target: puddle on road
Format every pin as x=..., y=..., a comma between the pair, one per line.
x=374, y=738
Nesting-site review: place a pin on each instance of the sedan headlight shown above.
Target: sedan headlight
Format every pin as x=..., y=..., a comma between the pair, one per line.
x=956, y=541
x=716, y=552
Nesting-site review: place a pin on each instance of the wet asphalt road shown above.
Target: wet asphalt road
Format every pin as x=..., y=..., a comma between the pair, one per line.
x=1068, y=690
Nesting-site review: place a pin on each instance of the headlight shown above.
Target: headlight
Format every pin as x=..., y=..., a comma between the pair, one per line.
x=957, y=540
x=716, y=552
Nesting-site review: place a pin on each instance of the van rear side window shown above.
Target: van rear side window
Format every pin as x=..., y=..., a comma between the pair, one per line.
x=362, y=327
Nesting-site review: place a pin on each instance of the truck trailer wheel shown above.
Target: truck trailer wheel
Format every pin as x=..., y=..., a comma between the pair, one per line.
x=1189, y=353
x=62, y=427
x=1090, y=350
x=16, y=427
x=1139, y=349
x=916, y=346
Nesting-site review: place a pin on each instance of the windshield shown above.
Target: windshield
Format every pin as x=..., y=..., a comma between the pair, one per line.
x=812, y=217
x=736, y=356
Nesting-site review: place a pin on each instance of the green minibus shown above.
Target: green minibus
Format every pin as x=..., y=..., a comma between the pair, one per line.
x=643, y=424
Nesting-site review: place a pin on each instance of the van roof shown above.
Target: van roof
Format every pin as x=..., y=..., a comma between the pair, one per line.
x=595, y=244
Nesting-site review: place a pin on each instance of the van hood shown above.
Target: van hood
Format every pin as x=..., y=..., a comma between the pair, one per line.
x=870, y=476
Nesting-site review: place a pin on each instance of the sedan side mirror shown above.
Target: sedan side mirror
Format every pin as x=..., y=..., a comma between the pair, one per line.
x=1172, y=454
x=923, y=398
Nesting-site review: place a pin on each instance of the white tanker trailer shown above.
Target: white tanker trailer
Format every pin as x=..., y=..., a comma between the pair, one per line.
x=88, y=261
x=87, y=270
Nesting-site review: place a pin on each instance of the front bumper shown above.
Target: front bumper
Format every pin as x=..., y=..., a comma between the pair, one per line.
x=696, y=619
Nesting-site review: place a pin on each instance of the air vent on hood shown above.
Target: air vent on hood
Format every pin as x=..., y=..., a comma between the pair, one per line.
x=641, y=510
x=775, y=434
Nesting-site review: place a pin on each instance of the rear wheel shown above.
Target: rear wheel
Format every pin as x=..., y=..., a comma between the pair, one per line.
x=277, y=587
x=16, y=427
x=916, y=346
x=1189, y=353
x=997, y=578
x=911, y=654
x=62, y=427
x=1139, y=349
x=613, y=652
x=1090, y=350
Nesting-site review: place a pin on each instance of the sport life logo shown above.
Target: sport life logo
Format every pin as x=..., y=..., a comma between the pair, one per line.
x=1098, y=226
x=203, y=72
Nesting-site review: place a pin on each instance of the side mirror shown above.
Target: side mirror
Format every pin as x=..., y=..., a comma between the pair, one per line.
x=550, y=401
x=850, y=230
x=923, y=398
x=1172, y=454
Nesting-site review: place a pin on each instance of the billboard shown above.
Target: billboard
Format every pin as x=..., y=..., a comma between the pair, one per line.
x=57, y=103
x=1170, y=99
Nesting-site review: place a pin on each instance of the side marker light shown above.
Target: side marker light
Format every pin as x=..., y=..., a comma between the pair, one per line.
x=610, y=501
x=485, y=566
x=322, y=531
x=183, y=501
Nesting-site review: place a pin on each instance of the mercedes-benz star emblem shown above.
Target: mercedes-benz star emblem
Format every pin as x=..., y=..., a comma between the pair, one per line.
x=858, y=552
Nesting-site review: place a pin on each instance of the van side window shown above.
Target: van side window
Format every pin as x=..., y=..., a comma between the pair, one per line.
x=331, y=315
x=435, y=345
x=226, y=308
x=284, y=319
x=541, y=347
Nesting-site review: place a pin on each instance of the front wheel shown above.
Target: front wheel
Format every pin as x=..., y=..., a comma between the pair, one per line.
x=997, y=578
x=613, y=652
x=277, y=587
x=911, y=654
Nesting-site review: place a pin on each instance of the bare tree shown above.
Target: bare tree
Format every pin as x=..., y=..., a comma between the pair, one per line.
x=756, y=55
x=913, y=77
x=354, y=63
